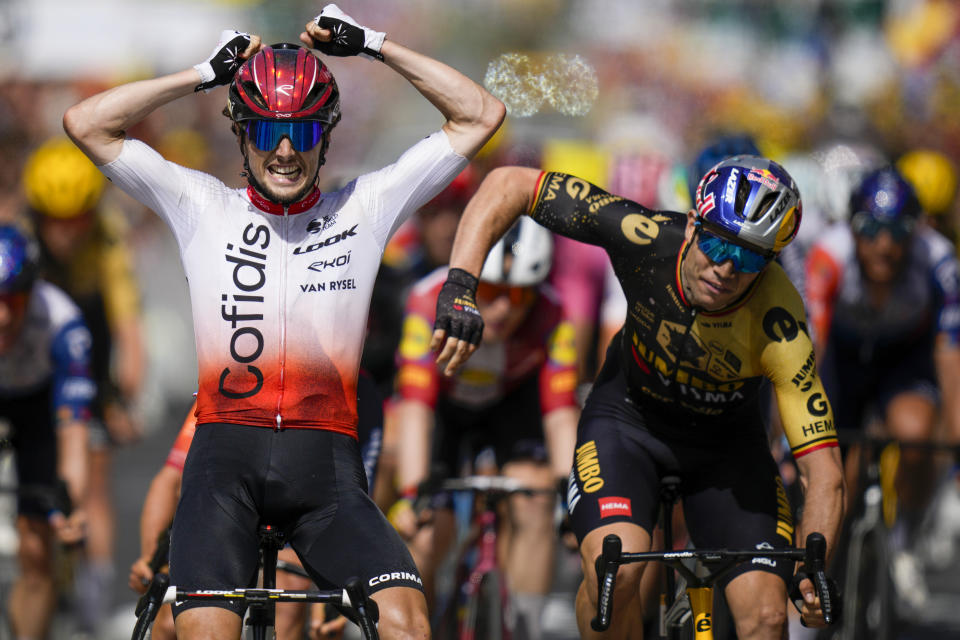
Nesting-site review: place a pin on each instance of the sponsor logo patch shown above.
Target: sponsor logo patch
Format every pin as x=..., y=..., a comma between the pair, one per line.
x=614, y=506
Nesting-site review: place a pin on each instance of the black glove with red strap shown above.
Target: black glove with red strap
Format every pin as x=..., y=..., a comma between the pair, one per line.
x=457, y=312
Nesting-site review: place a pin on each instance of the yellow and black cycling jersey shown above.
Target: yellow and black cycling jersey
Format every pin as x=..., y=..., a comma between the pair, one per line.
x=699, y=372
x=101, y=279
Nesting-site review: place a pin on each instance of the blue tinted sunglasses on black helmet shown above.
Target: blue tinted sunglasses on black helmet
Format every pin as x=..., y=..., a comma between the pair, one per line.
x=719, y=250
x=267, y=134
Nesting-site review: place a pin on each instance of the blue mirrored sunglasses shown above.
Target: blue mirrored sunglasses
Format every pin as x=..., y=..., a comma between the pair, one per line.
x=720, y=250
x=864, y=224
x=267, y=134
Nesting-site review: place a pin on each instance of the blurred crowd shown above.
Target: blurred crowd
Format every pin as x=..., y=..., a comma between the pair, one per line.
x=621, y=93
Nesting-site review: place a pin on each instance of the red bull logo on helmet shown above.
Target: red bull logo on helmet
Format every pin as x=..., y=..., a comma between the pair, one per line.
x=765, y=177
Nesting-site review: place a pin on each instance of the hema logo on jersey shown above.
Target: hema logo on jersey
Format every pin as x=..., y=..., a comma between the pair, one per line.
x=615, y=506
x=242, y=308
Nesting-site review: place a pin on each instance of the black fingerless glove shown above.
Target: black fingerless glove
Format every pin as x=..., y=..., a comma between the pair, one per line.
x=457, y=312
x=220, y=67
x=349, y=38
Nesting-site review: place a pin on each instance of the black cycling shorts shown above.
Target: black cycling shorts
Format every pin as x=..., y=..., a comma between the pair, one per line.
x=732, y=494
x=512, y=427
x=861, y=391
x=308, y=483
x=34, y=439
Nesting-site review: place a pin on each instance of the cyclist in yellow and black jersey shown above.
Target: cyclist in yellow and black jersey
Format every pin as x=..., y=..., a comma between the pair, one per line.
x=710, y=317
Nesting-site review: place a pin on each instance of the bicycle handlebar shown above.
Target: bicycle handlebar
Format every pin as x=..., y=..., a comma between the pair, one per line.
x=353, y=598
x=607, y=564
x=611, y=557
x=499, y=484
x=149, y=603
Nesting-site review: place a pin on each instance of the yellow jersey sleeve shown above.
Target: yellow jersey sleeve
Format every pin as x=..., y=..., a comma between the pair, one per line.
x=787, y=359
x=118, y=281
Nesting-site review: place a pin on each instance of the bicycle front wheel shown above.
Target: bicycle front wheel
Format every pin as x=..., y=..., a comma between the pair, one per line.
x=869, y=613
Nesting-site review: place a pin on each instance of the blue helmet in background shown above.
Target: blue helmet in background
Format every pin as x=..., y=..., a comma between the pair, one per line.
x=739, y=144
x=19, y=260
x=751, y=201
x=886, y=196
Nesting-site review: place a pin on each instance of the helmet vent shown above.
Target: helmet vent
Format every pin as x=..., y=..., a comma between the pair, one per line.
x=743, y=192
x=766, y=202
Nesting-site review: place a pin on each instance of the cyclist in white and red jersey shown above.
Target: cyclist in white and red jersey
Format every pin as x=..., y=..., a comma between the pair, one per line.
x=280, y=277
x=884, y=300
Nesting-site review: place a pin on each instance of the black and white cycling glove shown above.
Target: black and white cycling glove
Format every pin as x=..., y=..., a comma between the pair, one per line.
x=457, y=311
x=219, y=68
x=349, y=38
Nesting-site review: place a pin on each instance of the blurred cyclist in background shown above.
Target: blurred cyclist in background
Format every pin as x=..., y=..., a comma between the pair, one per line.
x=515, y=398
x=46, y=394
x=933, y=177
x=84, y=252
x=884, y=300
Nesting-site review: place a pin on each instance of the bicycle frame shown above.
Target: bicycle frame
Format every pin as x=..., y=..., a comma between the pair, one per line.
x=485, y=564
x=484, y=540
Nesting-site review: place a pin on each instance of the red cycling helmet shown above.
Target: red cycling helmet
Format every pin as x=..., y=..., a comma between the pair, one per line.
x=284, y=82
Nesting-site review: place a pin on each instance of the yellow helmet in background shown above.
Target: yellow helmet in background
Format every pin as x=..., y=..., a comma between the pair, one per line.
x=933, y=178
x=60, y=181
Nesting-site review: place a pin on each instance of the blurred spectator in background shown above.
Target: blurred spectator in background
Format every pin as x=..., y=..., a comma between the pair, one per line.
x=934, y=179
x=84, y=252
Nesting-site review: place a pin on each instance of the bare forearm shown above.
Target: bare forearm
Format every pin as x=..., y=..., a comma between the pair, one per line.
x=947, y=359
x=823, y=497
x=73, y=459
x=560, y=433
x=98, y=124
x=130, y=358
x=472, y=114
x=158, y=508
x=415, y=425
x=505, y=194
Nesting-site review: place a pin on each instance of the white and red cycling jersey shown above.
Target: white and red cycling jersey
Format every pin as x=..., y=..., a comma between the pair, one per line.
x=280, y=294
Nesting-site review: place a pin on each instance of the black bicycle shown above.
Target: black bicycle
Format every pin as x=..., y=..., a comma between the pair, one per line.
x=690, y=615
x=867, y=582
x=352, y=600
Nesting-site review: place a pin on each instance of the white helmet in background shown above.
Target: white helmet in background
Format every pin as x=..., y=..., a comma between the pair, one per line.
x=522, y=257
x=844, y=164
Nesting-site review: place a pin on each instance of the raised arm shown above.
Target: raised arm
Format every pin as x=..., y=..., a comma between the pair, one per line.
x=98, y=124
x=472, y=114
x=504, y=195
